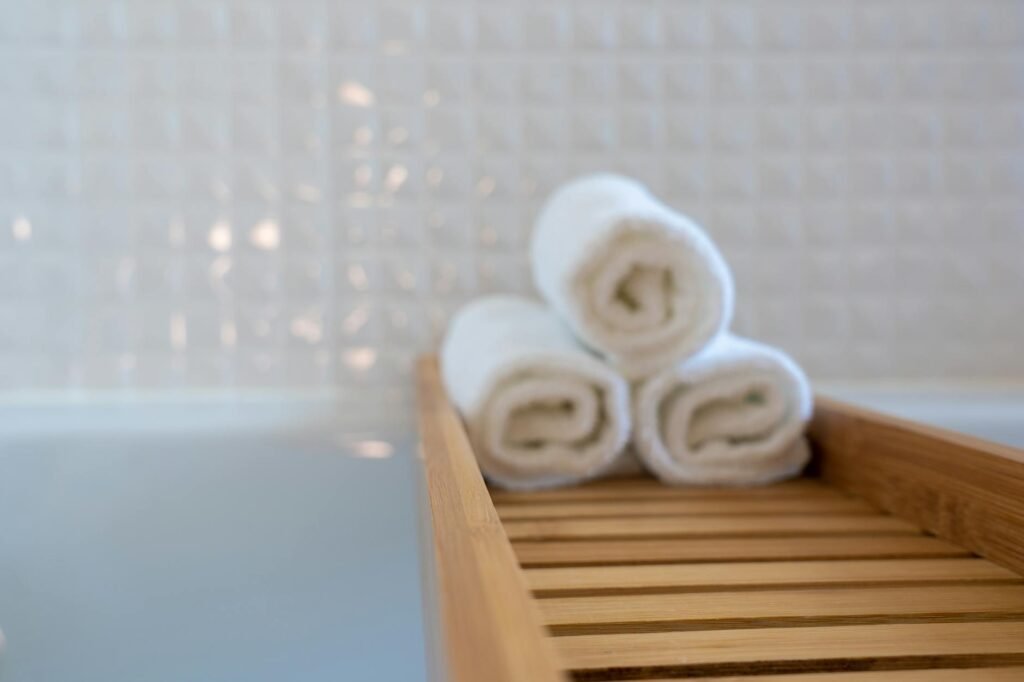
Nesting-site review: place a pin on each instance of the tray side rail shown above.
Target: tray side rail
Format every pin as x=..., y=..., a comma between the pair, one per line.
x=963, y=489
x=492, y=628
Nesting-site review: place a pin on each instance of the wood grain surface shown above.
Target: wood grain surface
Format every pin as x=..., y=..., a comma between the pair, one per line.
x=492, y=626
x=669, y=578
x=963, y=489
x=645, y=488
x=714, y=550
x=791, y=649
x=783, y=506
x=779, y=608
x=746, y=526
x=999, y=674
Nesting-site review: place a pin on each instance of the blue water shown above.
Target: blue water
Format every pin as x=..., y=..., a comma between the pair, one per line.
x=153, y=559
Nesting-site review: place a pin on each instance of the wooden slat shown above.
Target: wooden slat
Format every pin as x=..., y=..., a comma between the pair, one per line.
x=492, y=625
x=645, y=481
x=597, y=552
x=778, y=608
x=647, y=488
x=794, y=649
x=966, y=490
x=687, y=507
x=707, y=526
x=1000, y=674
x=581, y=580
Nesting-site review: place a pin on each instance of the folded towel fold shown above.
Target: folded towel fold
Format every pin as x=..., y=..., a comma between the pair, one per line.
x=540, y=410
x=636, y=281
x=732, y=415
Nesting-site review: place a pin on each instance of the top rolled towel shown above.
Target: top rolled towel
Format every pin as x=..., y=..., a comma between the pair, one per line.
x=638, y=282
x=734, y=414
x=540, y=410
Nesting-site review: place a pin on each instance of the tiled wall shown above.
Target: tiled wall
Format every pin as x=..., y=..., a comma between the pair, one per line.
x=270, y=193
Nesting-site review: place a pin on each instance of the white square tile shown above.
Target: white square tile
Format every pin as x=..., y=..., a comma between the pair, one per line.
x=258, y=193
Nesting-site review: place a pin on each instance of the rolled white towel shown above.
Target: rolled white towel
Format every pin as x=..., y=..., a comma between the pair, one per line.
x=732, y=415
x=540, y=410
x=638, y=282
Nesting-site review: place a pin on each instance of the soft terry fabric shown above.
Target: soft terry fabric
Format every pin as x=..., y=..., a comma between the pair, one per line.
x=732, y=415
x=540, y=410
x=638, y=282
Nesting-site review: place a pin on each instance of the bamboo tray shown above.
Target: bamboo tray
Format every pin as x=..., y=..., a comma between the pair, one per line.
x=900, y=557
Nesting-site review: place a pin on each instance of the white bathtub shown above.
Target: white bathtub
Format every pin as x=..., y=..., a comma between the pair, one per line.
x=170, y=541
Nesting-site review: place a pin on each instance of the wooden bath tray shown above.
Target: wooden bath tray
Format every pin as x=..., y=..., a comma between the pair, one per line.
x=900, y=557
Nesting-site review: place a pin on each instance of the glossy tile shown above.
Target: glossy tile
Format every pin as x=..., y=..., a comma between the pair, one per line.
x=253, y=193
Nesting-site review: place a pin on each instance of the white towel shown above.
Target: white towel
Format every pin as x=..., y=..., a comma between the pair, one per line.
x=540, y=410
x=638, y=282
x=732, y=415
